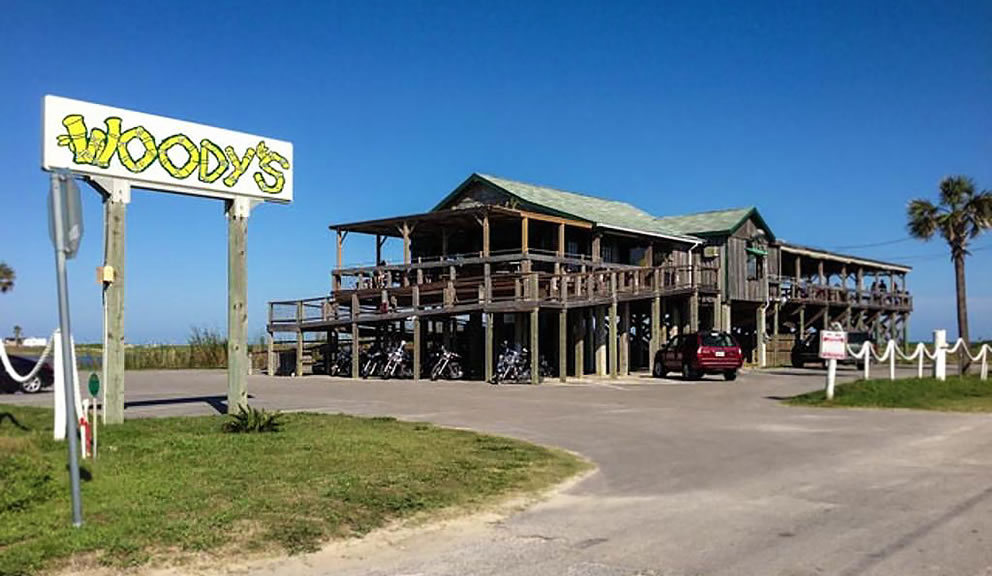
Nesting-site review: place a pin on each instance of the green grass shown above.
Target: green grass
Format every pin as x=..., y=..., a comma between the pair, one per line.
x=967, y=394
x=177, y=486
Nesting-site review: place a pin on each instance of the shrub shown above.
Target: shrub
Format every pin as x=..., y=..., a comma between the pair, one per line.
x=250, y=420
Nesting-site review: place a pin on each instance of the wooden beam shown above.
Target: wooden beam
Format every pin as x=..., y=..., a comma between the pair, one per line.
x=579, y=342
x=415, y=297
x=563, y=344
x=340, y=244
x=625, y=339
x=535, y=365
x=561, y=239
x=597, y=254
x=524, y=234
x=237, y=314
x=356, y=351
x=488, y=368
x=270, y=356
x=485, y=236
x=612, y=348
x=115, y=220
x=548, y=218
x=406, y=243
x=655, y=343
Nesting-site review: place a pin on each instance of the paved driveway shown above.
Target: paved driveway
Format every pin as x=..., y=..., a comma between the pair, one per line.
x=704, y=478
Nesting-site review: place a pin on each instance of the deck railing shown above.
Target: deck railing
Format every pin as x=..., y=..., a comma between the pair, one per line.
x=506, y=289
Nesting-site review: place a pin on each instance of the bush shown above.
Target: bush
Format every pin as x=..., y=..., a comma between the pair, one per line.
x=251, y=420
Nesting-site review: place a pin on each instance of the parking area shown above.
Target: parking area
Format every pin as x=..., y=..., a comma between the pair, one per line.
x=708, y=477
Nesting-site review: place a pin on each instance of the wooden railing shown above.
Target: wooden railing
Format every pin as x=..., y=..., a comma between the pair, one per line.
x=452, y=295
x=812, y=293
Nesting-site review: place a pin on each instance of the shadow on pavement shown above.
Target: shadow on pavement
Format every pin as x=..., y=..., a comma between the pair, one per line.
x=218, y=403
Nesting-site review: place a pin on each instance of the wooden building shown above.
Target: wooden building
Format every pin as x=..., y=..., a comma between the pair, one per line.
x=593, y=286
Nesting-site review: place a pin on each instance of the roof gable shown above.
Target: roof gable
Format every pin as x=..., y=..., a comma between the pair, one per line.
x=599, y=211
x=716, y=222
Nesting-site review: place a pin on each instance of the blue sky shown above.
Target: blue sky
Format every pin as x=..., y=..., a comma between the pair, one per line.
x=829, y=116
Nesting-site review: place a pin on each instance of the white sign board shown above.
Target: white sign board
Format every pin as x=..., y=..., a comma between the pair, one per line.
x=833, y=345
x=165, y=154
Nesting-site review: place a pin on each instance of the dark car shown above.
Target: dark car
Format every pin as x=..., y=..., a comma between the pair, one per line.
x=807, y=350
x=23, y=365
x=698, y=353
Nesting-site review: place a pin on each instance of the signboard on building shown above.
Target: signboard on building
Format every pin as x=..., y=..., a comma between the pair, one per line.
x=833, y=345
x=162, y=153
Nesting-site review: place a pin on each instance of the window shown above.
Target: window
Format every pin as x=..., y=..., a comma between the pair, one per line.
x=755, y=266
x=718, y=340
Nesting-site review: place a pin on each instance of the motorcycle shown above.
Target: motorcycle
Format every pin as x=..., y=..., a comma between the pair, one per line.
x=340, y=364
x=397, y=362
x=447, y=364
x=513, y=365
x=373, y=362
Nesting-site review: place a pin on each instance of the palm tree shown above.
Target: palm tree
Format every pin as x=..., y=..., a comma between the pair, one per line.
x=6, y=277
x=18, y=335
x=959, y=218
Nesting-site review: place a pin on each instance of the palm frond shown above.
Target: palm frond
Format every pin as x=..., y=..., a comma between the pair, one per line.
x=955, y=191
x=7, y=277
x=923, y=218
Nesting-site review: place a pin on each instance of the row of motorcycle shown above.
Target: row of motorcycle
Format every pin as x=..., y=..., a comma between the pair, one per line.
x=392, y=360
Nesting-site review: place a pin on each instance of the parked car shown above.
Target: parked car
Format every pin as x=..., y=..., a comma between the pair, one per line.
x=807, y=350
x=698, y=353
x=22, y=365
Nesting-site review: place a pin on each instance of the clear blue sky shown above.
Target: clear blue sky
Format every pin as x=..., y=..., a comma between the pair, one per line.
x=829, y=116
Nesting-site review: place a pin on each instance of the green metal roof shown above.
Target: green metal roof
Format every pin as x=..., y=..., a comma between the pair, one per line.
x=715, y=222
x=599, y=211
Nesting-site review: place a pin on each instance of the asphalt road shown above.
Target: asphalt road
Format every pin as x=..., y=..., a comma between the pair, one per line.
x=703, y=478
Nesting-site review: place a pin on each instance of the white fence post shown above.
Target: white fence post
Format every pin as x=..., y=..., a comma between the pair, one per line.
x=921, y=350
x=940, y=351
x=867, y=349
x=891, y=349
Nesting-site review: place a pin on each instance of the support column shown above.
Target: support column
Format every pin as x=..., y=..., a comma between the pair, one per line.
x=298, y=371
x=488, y=368
x=759, y=331
x=356, y=349
x=613, y=344
x=535, y=365
x=600, y=328
x=563, y=344
x=826, y=317
x=802, y=320
x=694, y=312
x=270, y=357
x=416, y=334
x=579, y=343
x=775, y=353
x=115, y=225
x=237, y=315
x=655, y=344
x=625, y=339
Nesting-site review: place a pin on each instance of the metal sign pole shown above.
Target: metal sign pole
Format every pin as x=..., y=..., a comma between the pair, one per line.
x=72, y=424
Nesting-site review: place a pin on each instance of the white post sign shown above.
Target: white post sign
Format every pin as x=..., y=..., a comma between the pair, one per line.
x=162, y=153
x=833, y=347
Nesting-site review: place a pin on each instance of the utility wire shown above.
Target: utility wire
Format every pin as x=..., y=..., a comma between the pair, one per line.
x=873, y=244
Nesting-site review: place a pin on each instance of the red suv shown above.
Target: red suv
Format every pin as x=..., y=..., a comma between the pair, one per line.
x=699, y=353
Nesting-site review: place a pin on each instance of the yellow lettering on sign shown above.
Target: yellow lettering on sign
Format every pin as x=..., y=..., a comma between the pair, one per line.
x=97, y=148
x=240, y=165
x=208, y=149
x=192, y=161
x=265, y=159
x=147, y=141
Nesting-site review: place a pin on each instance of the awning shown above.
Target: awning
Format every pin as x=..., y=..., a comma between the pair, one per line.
x=757, y=251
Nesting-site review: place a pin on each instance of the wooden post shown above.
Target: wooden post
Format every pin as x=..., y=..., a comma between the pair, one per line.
x=775, y=360
x=237, y=357
x=535, y=366
x=694, y=311
x=612, y=349
x=655, y=343
x=563, y=345
x=270, y=357
x=820, y=274
x=378, y=249
x=799, y=271
x=600, y=341
x=115, y=220
x=625, y=339
x=406, y=243
x=485, y=236
x=524, y=234
x=759, y=332
x=662, y=327
x=802, y=320
x=488, y=369
x=299, y=339
x=340, y=245
x=561, y=239
x=356, y=350
x=416, y=333
x=579, y=342
x=597, y=255
x=826, y=317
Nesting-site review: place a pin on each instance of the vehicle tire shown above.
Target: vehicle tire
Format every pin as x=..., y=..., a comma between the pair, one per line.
x=435, y=372
x=455, y=371
x=730, y=375
x=32, y=386
x=797, y=363
x=659, y=369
